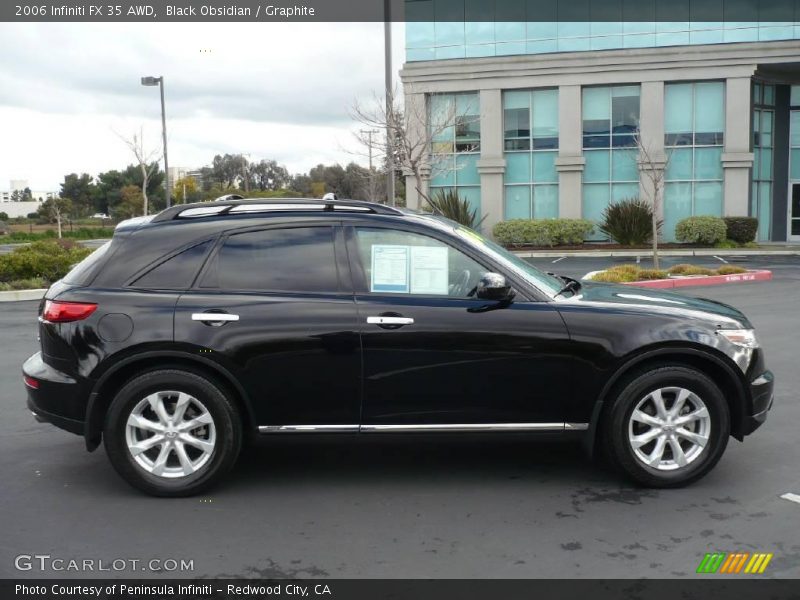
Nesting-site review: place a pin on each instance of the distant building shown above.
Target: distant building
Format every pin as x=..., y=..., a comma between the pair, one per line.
x=176, y=173
x=556, y=107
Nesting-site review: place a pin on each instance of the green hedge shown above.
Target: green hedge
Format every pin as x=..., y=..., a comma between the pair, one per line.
x=41, y=260
x=741, y=230
x=84, y=233
x=701, y=230
x=542, y=232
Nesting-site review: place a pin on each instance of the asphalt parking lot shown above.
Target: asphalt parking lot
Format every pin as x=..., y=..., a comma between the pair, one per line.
x=427, y=508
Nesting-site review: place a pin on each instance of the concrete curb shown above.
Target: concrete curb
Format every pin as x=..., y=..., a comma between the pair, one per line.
x=691, y=281
x=20, y=295
x=633, y=253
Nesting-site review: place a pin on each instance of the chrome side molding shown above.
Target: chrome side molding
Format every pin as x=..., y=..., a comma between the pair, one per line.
x=423, y=428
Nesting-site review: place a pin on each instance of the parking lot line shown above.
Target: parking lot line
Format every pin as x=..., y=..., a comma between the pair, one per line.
x=791, y=497
x=558, y=259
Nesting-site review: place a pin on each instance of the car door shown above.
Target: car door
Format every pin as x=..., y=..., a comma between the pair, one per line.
x=435, y=355
x=275, y=306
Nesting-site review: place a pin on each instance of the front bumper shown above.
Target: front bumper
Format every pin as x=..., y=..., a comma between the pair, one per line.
x=58, y=398
x=761, y=391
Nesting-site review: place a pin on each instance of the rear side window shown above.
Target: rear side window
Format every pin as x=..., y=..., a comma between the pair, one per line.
x=178, y=272
x=83, y=272
x=299, y=259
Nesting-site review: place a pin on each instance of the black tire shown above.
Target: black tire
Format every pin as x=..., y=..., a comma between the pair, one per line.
x=226, y=422
x=615, y=435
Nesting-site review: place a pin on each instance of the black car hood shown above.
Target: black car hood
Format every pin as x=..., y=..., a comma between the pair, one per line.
x=657, y=301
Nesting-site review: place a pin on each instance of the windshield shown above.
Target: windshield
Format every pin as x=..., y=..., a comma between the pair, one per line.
x=541, y=280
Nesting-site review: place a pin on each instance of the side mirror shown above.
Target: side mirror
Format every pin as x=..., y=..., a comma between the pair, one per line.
x=493, y=286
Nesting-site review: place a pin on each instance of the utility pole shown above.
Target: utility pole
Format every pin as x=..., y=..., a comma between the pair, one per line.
x=369, y=133
x=387, y=49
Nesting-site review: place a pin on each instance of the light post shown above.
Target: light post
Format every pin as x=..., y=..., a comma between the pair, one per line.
x=387, y=49
x=159, y=81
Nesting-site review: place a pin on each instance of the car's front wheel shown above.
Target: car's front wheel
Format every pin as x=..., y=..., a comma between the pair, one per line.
x=172, y=432
x=667, y=427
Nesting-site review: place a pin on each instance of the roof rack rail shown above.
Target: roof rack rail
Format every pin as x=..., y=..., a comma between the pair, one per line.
x=256, y=205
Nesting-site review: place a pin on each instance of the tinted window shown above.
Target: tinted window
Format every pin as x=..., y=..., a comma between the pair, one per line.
x=177, y=272
x=85, y=270
x=294, y=260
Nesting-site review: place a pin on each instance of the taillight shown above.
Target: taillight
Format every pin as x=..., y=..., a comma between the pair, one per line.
x=30, y=382
x=56, y=311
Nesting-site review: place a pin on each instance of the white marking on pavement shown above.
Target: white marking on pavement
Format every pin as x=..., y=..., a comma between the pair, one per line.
x=558, y=259
x=791, y=497
x=721, y=259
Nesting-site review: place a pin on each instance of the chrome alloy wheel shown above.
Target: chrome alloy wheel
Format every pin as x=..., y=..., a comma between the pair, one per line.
x=170, y=434
x=669, y=428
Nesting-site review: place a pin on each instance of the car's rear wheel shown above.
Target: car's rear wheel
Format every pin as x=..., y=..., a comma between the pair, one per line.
x=172, y=433
x=667, y=427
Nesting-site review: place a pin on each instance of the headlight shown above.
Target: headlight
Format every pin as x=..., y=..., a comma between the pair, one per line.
x=746, y=338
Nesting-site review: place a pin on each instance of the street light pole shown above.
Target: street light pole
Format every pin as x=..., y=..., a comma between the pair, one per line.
x=159, y=81
x=387, y=49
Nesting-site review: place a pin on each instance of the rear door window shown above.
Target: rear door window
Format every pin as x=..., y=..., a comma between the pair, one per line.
x=297, y=259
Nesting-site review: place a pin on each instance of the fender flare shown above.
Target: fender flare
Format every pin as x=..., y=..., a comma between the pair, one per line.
x=97, y=406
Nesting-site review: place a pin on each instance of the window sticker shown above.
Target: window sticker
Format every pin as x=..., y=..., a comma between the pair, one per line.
x=389, y=268
x=429, y=270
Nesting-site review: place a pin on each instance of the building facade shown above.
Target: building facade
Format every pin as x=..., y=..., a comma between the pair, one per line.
x=549, y=114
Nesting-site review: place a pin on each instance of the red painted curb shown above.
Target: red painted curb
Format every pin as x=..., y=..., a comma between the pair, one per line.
x=705, y=280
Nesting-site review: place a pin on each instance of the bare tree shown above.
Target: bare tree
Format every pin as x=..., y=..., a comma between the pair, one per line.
x=414, y=136
x=147, y=160
x=56, y=209
x=653, y=167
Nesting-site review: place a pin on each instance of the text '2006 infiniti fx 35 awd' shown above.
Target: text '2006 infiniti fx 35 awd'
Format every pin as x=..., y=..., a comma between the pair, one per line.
x=206, y=323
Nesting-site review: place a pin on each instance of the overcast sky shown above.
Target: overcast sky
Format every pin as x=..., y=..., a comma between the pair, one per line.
x=271, y=90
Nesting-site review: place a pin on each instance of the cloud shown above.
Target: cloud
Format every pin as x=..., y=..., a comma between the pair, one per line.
x=274, y=90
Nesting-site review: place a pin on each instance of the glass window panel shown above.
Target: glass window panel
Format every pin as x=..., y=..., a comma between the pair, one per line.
x=447, y=52
x=625, y=110
x=467, y=169
x=679, y=166
x=795, y=164
x=794, y=128
x=709, y=106
x=708, y=139
x=472, y=194
x=519, y=144
x=678, y=139
x=479, y=31
x=623, y=141
x=596, y=141
x=518, y=167
x=545, y=113
x=595, y=200
x=782, y=32
x=509, y=48
x=543, y=30
x=606, y=42
x=678, y=107
x=517, y=99
x=596, y=107
x=448, y=33
x=545, y=201
x=741, y=34
x=443, y=171
x=708, y=199
x=549, y=143
x=795, y=95
x=442, y=111
x=177, y=272
x=419, y=27
x=677, y=206
x=764, y=214
x=707, y=163
x=766, y=164
x=517, y=122
x=644, y=40
x=597, y=166
x=624, y=191
x=754, y=199
x=623, y=165
x=542, y=46
x=756, y=162
x=544, y=167
x=518, y=202
x=672, y=39
x=710, y=36
x=510, y=31
x=479, y=50
x=769, y=95
x=766, y=120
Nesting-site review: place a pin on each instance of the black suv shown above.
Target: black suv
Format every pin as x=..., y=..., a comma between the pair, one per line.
x=193, y=329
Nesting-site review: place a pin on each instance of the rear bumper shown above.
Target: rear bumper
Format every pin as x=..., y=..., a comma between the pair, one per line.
x=57, y=398
x=761, y=391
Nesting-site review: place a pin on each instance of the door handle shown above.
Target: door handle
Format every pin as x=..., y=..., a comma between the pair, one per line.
x=381, y=320
x=215, y=319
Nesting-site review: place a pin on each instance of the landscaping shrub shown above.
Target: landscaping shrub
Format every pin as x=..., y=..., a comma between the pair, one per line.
x=46, y=260
x=23, y=284
x=651, y=274
x=741, y=229
x=689, y=270
x=730, y=270
x=542, y=232
x=705, y=230
x=83, y=233
x=449, y=204
x=629, y=222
